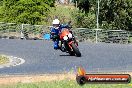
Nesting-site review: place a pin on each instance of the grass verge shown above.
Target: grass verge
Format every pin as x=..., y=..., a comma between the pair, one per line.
x=3, y=60
x=64, y=84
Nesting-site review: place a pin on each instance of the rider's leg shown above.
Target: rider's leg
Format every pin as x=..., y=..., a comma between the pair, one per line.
x=56, y=44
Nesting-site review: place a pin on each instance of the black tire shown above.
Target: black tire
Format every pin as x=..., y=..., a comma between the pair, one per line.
x=81, y=80
x=76, y=50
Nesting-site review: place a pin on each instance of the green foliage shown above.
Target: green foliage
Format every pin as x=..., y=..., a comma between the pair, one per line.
x=83, y=5
x=65, y=84
x=1, y=2
x=78, y=18
x=83, y=20
x=116, y=14
x=25, y=11
x=63, y=13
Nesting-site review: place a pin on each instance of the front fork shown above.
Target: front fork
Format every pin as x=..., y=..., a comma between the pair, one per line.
x=69, y=44
x=73, y=41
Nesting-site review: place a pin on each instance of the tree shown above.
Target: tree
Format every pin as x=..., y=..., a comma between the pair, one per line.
x=116, y=13
x=83, y=5
x=25, y=11
x=81, y=19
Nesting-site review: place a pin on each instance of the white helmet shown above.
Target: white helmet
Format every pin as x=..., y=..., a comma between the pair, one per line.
x=56, y=21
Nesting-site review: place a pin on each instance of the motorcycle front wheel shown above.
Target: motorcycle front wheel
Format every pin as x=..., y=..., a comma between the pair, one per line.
x=76, y=50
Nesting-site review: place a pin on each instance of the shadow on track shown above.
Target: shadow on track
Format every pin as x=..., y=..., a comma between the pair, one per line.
x=64, y=55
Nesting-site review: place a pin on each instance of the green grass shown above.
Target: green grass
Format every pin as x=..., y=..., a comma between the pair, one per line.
x=62, y=12
x=3, y=60
x=130, y=39
x=65, y=84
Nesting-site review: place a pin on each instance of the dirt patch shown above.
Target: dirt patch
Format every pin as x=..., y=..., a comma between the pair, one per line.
x=34, y=78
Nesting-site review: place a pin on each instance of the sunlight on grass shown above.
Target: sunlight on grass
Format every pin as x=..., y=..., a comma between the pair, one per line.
x=3, y=60
x=65, y=84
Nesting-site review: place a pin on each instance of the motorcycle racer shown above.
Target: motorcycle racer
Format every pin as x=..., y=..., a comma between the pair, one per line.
x=54, y=32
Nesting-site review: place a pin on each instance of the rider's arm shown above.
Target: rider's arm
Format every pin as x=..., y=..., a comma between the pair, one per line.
x=64, y=26
x=52, y=32
x=68, y=25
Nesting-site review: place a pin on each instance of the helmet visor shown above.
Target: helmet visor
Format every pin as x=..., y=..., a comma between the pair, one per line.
x=55, y=25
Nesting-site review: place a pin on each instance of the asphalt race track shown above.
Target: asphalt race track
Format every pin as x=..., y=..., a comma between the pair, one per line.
x=40, y=57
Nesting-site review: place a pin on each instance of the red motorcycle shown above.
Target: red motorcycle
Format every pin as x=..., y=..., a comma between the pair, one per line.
x=69, y=43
